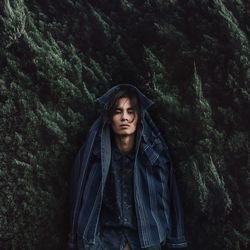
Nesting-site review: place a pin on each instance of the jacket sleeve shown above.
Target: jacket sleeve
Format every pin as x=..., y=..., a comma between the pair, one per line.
x=74, y=179
x=176, y=237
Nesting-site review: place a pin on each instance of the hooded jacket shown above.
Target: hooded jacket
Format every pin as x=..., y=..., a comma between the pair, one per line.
x=157, y=204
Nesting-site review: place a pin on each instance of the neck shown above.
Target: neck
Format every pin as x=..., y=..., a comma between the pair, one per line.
x=125, y=143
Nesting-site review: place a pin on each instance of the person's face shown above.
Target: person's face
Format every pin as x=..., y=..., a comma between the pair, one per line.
x=125, y=118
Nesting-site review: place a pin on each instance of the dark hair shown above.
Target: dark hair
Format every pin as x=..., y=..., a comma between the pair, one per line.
x=120, y=93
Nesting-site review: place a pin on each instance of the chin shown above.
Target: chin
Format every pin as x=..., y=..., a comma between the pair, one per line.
x=124, y=132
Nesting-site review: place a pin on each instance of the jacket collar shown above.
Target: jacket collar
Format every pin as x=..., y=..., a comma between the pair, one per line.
x=152, y=143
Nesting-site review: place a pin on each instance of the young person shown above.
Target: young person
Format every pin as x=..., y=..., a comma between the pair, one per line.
x=123, y=189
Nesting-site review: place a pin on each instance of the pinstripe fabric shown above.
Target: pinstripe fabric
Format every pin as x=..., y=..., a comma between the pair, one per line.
x=157, y=204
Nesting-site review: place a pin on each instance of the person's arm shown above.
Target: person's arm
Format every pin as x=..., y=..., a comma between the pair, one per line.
x=74, y=177
x=176, y=236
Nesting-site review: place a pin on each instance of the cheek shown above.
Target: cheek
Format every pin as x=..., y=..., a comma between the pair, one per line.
x=135, y=123
x=115, y=122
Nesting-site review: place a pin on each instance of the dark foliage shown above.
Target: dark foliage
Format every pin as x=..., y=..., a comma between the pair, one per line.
x=190, y=57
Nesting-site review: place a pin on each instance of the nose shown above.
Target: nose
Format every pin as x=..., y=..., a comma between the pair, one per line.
x=124, y=116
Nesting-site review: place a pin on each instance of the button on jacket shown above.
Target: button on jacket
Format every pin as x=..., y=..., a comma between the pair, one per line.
x=157, y=205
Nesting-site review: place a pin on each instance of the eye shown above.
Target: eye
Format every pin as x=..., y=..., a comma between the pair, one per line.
x=131, y=111
x=117, y=111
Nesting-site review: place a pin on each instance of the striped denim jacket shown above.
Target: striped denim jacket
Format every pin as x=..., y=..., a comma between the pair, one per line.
x=157, y=203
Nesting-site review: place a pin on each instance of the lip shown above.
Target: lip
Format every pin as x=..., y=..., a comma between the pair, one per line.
x=124, y=125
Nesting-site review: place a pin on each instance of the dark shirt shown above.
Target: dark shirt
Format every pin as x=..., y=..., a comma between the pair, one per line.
x=118, y=216
x=118, y=219
x=118, y=209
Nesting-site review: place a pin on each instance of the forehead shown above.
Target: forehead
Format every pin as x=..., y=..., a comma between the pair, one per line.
x=123, y=102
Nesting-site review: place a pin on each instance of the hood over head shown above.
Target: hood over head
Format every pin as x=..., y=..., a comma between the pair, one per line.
x=144, y=101
x=151, y=160
x=148, y=130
